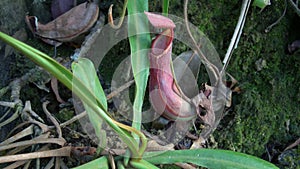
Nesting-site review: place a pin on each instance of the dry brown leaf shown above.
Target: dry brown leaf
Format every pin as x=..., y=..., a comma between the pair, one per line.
x=66, y=27
x=154, y=146
x=64, y=151
x=59, y=141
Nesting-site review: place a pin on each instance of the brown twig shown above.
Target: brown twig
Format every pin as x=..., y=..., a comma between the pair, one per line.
x=279, y=19
x=297, y=142
x=73, y=119
x=27, y=131
x=16, y=164
x=111, y=19
x=205, y=61
x=119, y=90
x=20, y=148
x=57, y=162
x=108, y=97
x=64, y=151
x=295, y=6
x=28, y=109
x=53, y=120
x=59, y=141
x=54, y=86
x=26, y=166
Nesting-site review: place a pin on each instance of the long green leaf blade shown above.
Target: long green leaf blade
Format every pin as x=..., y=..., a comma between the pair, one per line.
x=165, y=7
x=101, y=162
x=84, y=70
x=210, y=158
x=142, y=164
x=140, y=41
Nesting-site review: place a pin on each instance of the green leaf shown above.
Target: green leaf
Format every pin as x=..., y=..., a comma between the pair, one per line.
x=101, y=162
x=165, y=7
x=139, y=38
x=210, y=158
x=84, y=70
x=261, y=3
x=142, y=164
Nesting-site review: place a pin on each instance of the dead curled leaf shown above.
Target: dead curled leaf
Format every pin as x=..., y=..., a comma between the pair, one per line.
x=66, y=27
x=59, y=7
x=154, y=146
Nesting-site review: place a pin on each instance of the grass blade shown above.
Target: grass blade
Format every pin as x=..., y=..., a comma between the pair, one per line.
x=99, y=162
x=140, y=41
x=84, y=70
x=210, y=158
x=142, y=164
x=165, y=7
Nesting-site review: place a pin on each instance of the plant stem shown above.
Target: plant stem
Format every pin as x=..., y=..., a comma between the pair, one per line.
x=237, y=33
x=278, y=20
x=213, y=68
x=139, y=38
x=165, y=7
x=111, y=19
x=295, y=6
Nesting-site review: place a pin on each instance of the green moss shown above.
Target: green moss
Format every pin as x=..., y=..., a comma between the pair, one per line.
x=269, y=100
x=267, y=110
x=64, y=115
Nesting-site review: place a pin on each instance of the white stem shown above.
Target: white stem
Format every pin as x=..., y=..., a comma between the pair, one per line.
x=237, y=32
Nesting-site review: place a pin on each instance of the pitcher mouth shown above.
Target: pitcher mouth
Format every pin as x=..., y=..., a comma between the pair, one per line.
x=162, y=43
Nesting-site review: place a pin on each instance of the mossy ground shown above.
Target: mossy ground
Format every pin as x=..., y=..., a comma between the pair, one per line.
x=267, y=112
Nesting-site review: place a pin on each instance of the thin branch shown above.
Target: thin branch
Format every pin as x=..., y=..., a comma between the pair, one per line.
x=111, y=19
x=14, y=116
x=65, y=151
x=205, y=61
x=297, y=142
x=278, y=20
x=295, y=6
x=29, y=110
x=53, y=120
x=108, y=97
x=25, y=132
x=59, y=141
x=22, y=162
x=21, y=148
x=119, y=90
x=73, y=119
x=237, y=33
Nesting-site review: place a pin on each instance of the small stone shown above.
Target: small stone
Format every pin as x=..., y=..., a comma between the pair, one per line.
x=260, y=64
